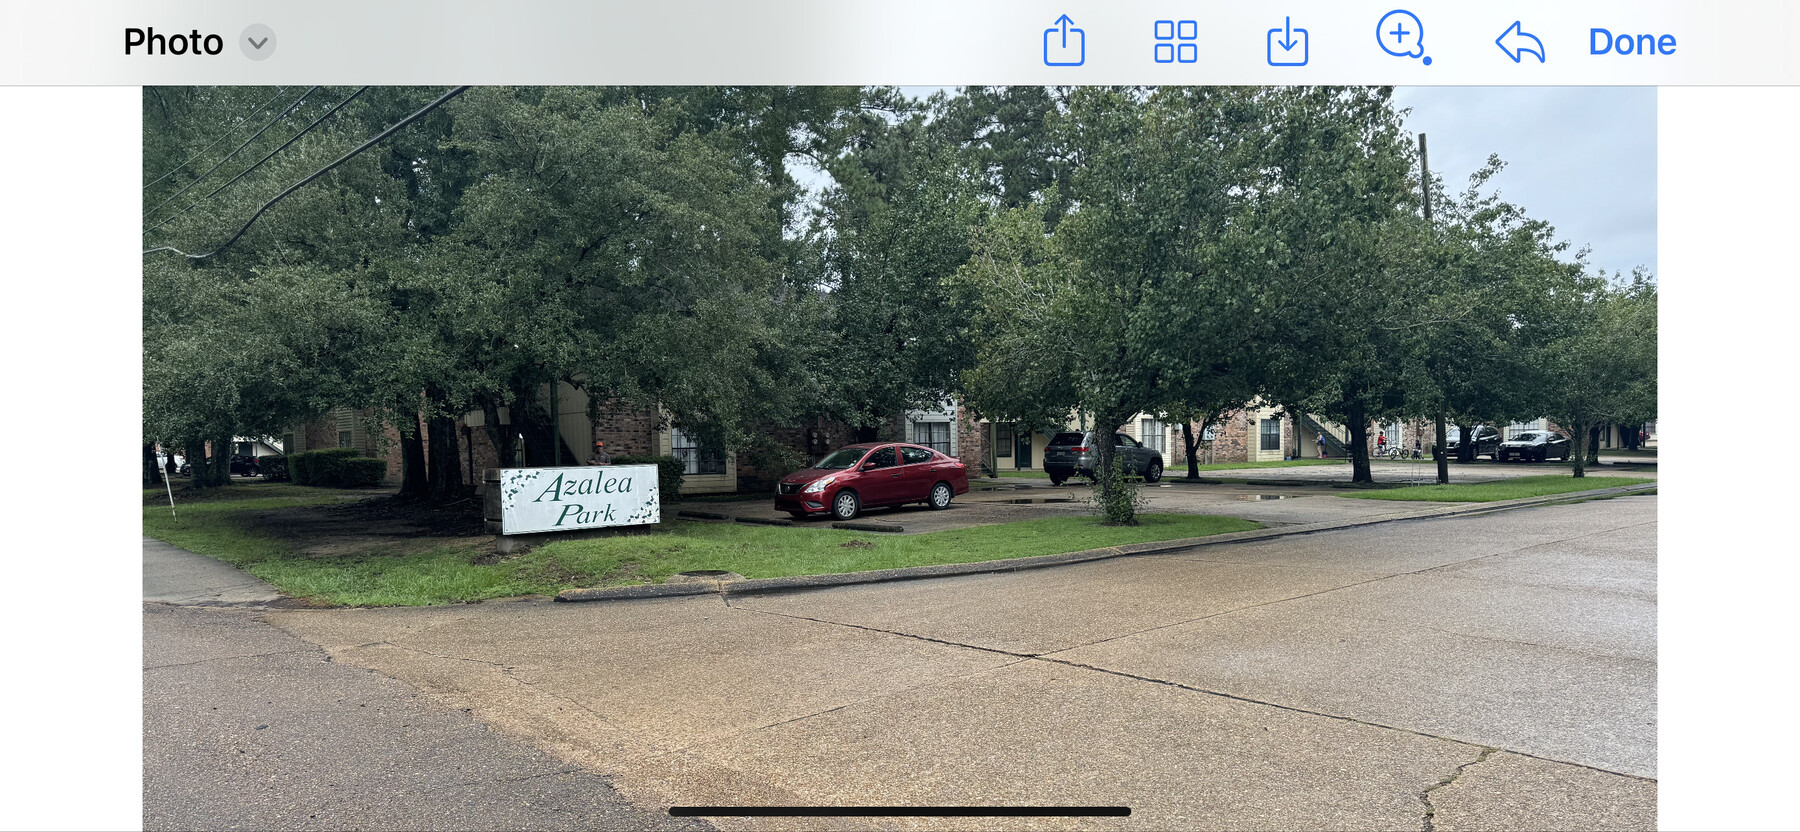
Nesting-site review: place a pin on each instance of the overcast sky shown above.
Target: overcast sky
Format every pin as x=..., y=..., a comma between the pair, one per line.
x=1582, y=158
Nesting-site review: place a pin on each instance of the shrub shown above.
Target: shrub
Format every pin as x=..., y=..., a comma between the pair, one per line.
x=324, y=467
x=669, y=472
x=361, y=471
x=274, y=468
x=1116, y=498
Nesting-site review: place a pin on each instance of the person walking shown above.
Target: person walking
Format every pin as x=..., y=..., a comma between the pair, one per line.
x=1321, y=441
x=599, y=456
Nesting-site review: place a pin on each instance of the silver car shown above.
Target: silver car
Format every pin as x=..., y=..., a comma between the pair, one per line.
x=1071, y=454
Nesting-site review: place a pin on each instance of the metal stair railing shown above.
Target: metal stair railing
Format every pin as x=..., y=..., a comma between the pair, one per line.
x=1335, y=445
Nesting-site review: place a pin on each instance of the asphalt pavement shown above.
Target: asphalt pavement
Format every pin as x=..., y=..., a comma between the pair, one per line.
x=247, y=727
x=1488, y=671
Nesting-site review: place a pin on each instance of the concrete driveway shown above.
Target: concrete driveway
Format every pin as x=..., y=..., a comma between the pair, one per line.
x=1491, y=671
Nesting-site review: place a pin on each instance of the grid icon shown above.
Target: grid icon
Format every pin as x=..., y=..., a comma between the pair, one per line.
x=1168, y=50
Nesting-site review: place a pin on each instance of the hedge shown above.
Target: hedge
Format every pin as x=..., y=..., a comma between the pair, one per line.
x=274, y=468
x=669, y=472
x=335, y=467
x=358, y=472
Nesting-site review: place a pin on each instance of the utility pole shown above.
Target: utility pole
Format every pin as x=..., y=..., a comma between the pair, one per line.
x=1443, y=432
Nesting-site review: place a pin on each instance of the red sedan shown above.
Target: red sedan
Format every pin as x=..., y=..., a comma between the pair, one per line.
x=855, y=477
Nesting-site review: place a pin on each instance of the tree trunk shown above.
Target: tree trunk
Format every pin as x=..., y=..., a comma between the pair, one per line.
x=1465, y=446
x=221, y=461
x=1437, y=450
x=1190, y=442
x=152, y=472
x=445, y=469
x=1578, y=454
x=1359, y=445
x=414, y=484
x=1593, y=445
x=503, y=436
x=1108, y=483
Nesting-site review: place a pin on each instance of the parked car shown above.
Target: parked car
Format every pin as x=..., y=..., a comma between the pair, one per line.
x=1537, y=445
x=1071, y=454
x=856, y=477
x=242, y=466
x=1487, y=441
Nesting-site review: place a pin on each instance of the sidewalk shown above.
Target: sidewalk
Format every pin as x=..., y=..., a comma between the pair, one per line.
x=177, y=576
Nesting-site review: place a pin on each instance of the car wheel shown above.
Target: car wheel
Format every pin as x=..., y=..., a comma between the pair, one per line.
x=1153, y=472
x=940, y=496
x=1058, y=480
x=846, y=506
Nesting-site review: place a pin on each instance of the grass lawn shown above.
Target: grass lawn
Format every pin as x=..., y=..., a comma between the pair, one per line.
x=1487, y=492
x=466, y=569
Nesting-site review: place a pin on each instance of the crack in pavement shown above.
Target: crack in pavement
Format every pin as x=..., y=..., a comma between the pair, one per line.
x=224, y=658
x=1425, y=796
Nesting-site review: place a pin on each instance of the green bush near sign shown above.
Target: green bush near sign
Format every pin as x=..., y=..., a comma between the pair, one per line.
x=669, y=472
x=336, y=467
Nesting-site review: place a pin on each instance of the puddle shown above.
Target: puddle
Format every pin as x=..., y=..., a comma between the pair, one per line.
x=1260, y=497
x=1004, y=488
x=1031, y=500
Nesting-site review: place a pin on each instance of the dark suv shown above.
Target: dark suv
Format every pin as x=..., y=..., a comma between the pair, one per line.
x=1070, y=454
x=1487, y=441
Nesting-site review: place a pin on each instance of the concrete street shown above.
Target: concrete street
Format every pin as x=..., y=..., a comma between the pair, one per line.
x=1480, y=672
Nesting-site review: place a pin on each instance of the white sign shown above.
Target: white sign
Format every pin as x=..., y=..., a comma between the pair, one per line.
x=561, y=499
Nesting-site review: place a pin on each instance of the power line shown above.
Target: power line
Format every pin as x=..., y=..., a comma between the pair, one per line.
x=454, y=92
x=216, y=141
x=246, y=171
x=265, y=128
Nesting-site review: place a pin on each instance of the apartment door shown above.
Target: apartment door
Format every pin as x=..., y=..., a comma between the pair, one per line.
x=1022, y=448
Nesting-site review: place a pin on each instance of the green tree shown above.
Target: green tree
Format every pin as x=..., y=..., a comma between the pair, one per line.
x=1336, y=222
x=1138, y=301
x=894, y=226
x=1602, y=366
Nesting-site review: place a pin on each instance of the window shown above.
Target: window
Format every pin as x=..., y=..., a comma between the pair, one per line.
x=913, y=456
x=344, y=439
x=1003, y=441
x=698, y=458
x=1269, y=432
x=882, y=458
x=1153, y=435
x=1123, y=441
x=933, y=435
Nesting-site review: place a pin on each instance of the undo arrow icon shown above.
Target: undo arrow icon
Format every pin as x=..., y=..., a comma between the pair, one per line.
x=1517, y=43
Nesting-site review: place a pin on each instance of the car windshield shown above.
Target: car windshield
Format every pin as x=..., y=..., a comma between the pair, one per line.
x=841, y=459
x=1066, y=439
x=1526, y=437
x=1453, y=434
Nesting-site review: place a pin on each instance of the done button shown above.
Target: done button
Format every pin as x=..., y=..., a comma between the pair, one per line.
x=1603, y=42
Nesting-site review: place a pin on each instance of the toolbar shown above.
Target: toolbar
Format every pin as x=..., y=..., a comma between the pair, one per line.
x=927, y=42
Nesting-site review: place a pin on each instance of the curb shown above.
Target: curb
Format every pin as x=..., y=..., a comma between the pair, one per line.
x=868, y=527
x=796, y=583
